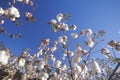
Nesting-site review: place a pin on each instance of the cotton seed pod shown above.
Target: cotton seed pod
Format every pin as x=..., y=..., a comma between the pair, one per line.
x=112, y=44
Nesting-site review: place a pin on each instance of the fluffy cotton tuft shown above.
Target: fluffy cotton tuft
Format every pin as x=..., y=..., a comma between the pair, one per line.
x=106, y=52
x=21, y=62
x=4, y=57
x=59, y=17
x=74, y=35
x=95, y=67
x=13, y=13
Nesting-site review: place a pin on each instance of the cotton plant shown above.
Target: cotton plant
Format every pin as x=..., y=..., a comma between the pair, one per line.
x=72, y=64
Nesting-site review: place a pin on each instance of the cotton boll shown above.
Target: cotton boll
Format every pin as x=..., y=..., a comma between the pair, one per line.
x=95, y=67
x=82, y=32
x=53, y=21
x=74, y=35
x=112, y=44
x=63, y=27
x=21, y=62
x=78, y=69
x=89, y=42
x=41, y=64
x=117, y=46
x=57, y=64
x=4, y=57
x=14, y=12
x=53, y=49
x=1, y=11
x=1, y=21
x=73, y=27
x=59, y=17
x=64, y=67
x=89, y=33
x=77, y=55
x=84, y=71
x=45, y=75
x=106, y=52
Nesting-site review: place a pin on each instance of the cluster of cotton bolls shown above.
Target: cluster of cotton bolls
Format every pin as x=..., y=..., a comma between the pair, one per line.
x=46, y=65
x=12, y=12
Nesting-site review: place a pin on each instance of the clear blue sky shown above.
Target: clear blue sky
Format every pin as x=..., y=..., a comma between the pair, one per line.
x=94, y=14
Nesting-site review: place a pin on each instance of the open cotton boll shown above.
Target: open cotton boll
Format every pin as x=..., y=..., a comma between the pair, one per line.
x=74, y=35
x=117, y=46
x=57, y=63
x=4, y=57
x=90, y=42
x=59, y=17
x=1, y=11
x=53, y=21
x=63, y=27
x=106, y=52
x=13, y=12
x=89, y=33
x=21, y=62
x=112, y=44
x=73, y=27
x=95, y=67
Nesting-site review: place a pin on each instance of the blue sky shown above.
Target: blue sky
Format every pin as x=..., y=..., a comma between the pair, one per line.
x=94, y=14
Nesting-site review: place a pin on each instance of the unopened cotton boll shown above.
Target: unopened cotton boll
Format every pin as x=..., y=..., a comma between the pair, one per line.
x=74, y=35
x=59, y=17
x=95, y=67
